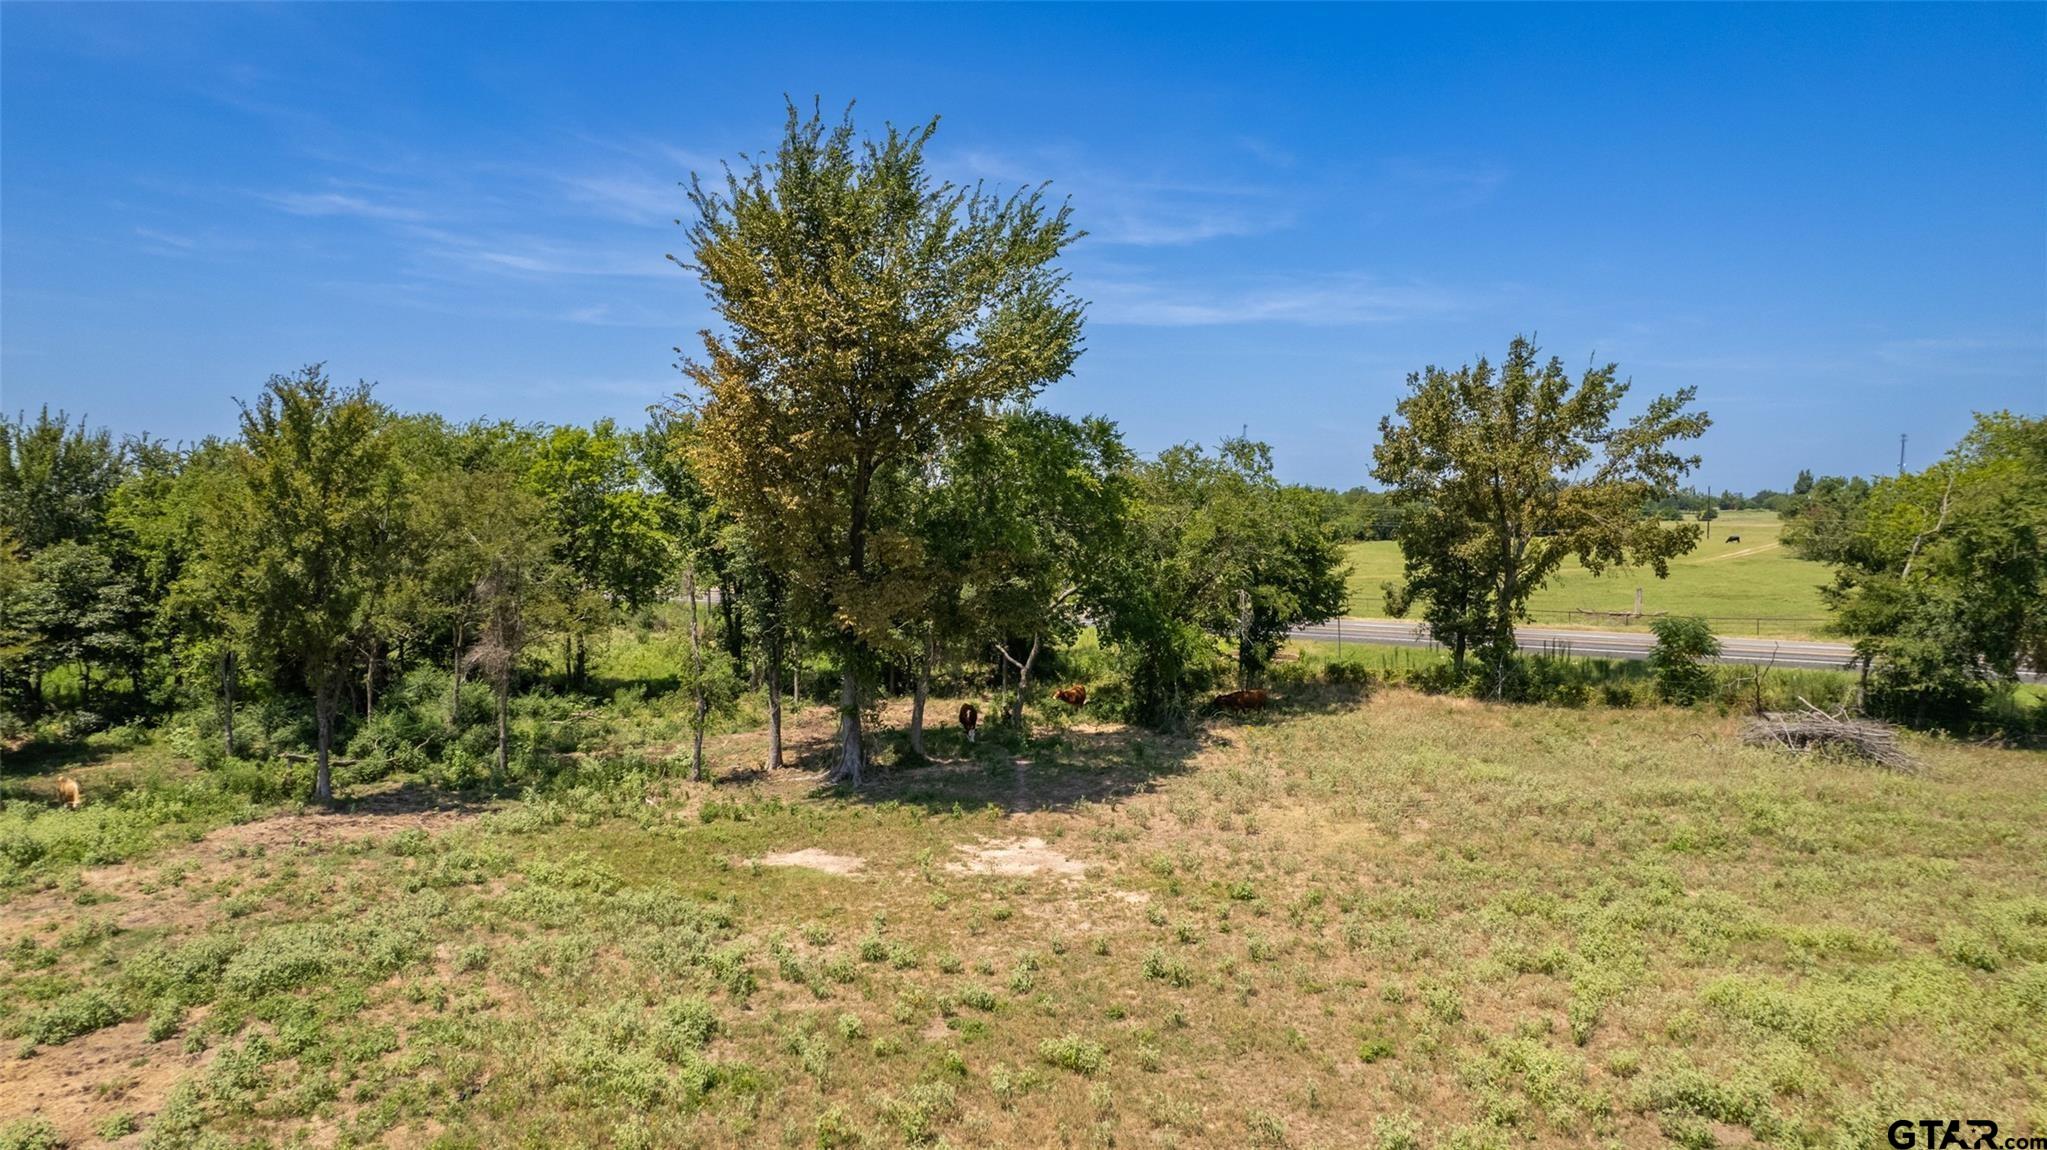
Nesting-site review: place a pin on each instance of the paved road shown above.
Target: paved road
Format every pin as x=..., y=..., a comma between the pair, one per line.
x=1802, y=653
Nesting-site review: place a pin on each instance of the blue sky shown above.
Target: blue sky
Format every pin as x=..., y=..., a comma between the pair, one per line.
x=1830, y=220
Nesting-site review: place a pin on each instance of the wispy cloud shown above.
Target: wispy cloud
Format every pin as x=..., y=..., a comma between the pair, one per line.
x=515, y=254
x=1119, y=207
x=1320, y=301
x=636, y=199
x=342, y=204
x=165, y=243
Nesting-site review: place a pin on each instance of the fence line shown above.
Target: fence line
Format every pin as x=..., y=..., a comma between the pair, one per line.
x=1754, y=622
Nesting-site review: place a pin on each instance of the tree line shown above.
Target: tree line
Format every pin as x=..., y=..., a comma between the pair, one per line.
x=855, y=473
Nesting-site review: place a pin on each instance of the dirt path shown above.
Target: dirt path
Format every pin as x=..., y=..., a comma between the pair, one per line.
x=1738, y=554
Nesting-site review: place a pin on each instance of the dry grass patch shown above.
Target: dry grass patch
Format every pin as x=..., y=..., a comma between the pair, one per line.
x=1418, y=922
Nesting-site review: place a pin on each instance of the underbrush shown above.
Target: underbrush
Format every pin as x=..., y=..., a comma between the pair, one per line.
x=1563, y=680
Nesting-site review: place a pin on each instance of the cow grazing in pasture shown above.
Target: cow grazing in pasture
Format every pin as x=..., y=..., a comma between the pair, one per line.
x=1251, y=699
x=970, y=718
x=1074, y=696
x=1734, y=538
x=68, y=792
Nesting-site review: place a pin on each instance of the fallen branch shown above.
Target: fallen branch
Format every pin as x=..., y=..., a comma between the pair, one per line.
x=1814, y=729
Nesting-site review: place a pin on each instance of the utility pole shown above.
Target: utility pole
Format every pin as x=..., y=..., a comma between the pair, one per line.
x=1901, y=453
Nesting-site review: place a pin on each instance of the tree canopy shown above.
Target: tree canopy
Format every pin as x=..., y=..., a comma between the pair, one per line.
x=1502, y=472
x=1941, y=575
x=870, y=315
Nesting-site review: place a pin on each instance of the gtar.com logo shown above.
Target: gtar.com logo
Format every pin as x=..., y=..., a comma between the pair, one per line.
x=1957, y=1134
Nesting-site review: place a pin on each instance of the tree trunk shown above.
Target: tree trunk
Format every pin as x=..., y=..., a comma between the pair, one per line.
x=696, y=674
x=1243, y=638
x=1457, y=654
x=923, y=691
x=504, y=693
x=369, y=683
x=227, y=698
x=455, y=681
x=851, y=758
x=324, y=702
x=728, y=609
x=774, y=644
x=1023, y=681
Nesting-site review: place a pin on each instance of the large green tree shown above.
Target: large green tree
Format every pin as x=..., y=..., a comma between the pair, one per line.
x=318, y=493
x=506, y=542
x=870, y=314
x=1941, y=575
x=56, y=478
x=1505, y=471
x=185, y=571
x=607, y=521
x=706, y=543
x=77, y=608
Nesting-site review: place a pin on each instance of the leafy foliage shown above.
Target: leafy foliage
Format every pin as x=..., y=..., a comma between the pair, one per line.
x=1218, y=551
x=871, y=315
x=1684, y=643
x=320, y=509
x=1502, y=473
x=1941, y=575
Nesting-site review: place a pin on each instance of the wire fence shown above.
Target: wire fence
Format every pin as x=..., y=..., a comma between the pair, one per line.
x=1757, y=625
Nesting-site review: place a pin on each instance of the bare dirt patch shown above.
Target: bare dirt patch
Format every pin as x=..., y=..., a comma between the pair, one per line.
x=372, y=817
x=1014, y=857
x=89, y=1079
x=811, y=858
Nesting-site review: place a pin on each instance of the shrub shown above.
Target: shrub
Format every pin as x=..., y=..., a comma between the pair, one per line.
x=78, y=1013
x=1397, y=1132
x=921, y=1110
x=835, y=1130
x=1070, y=1052
x=1968, y=948
x=30, y=1134
x=1346, y=674
x=683, y=1025
x=1167, y=970
x=1684, y=643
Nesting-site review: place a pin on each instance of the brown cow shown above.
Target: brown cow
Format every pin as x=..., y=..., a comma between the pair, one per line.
x=1251, y=699
x=1074, y=696
x=970, y=717
x=68, y=791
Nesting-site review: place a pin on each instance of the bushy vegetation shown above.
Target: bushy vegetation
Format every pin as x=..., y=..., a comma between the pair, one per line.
x=1941, y=576
x=1684, y=643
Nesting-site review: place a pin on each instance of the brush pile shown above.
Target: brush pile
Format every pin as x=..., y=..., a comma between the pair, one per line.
x=1814, y=729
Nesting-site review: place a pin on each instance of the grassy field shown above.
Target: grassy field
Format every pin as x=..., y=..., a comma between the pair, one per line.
x=1392, y=920
x=1754, y=587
